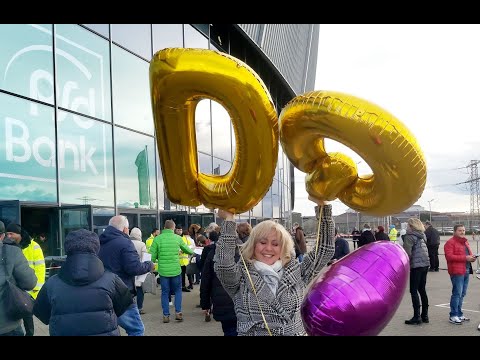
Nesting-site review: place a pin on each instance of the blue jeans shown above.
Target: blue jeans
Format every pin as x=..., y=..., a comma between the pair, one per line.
x=131, y=321
x=300, y=258
x=171, y=284
x=140, y=297
x=459, y=290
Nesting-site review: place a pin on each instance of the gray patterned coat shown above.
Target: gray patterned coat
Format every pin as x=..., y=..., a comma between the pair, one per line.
x=282, y=310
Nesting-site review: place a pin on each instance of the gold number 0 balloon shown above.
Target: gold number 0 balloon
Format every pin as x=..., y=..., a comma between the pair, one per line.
x=391, y=151
x=179, y=79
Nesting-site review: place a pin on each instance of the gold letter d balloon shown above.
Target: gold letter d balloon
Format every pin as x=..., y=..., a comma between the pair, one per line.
x=179, y=79
x=397, y=162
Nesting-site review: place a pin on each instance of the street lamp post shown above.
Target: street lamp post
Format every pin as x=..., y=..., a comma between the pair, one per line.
x=430, y=208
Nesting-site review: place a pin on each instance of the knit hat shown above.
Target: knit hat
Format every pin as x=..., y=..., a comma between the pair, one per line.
x=14, y=228
x=82, y=240
x=136, y=234
x=2, y=227
x=392, y=226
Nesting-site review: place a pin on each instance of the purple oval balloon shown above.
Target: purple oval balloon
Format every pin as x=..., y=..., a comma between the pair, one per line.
x=359, y=294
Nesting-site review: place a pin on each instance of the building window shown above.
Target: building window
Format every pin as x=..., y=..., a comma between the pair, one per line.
x=221, y=167
x=203, y=127
x=134, y=170
x=27, y=150
x=131, y=91
x=267, y=204
x=205, y=163
x=221, y=139
x=135, y=37
x=26, y=60
x=167, y=36
x=194, y=39
x=85, y=160
x=83, y=71
x=102, y=29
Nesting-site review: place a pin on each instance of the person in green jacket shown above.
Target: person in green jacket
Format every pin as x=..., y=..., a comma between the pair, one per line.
x=165, y=248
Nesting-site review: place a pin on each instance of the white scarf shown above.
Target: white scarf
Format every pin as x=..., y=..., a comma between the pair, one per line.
x=271, y=274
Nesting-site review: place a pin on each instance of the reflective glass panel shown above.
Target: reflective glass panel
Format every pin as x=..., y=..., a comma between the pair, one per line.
x=131, y=91
x=221, y=132
x=26, y=60
x=167, y=35
x=102, y=29
x=134, y=170
x=203, y=127
x=194, y=39
x=205, y=163
x=267, y=204
x=85, y=160
x=221, y=167
x=135, y=37
x=83, y=71
x=27, y=150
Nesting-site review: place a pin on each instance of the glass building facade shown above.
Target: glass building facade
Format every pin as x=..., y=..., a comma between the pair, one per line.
x=78, y=143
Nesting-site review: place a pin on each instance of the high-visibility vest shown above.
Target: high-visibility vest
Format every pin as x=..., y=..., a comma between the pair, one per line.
x=34, y=255
x=183, y=258
x=149, y=242
x=393, y=234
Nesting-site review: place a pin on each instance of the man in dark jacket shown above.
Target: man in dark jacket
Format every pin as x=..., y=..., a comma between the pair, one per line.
x=367, y=236
x=300, y=243
x=83, y=299
x=341, y=248
x=433, y=242
x=120, y=257
x=14, y=267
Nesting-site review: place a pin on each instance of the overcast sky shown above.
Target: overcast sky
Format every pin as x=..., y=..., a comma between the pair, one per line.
x=428, y=77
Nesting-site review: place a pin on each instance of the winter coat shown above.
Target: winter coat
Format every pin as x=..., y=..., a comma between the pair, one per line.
x=456, y=256
x=366, y=237
x=18, y=272
x=83, y=299
x=212, y=292
x=381, y=236
x=300, y=240
x=281, y=310
x=433, y=237
x=165, y=248
x=415, y=245
x=141, y=249
x=120, y=257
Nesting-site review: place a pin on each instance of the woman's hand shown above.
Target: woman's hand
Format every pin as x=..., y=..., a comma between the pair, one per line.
x=317, y=201
x=224, y=214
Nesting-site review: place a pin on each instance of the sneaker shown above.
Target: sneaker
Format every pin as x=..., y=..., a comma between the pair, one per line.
x=455, y=320
x=166, y=319
x=463, y=318
x=170, y=303
x=208, y=317
x=478, y=328
x=179, y=316
x=141, y=311
x=184, y=289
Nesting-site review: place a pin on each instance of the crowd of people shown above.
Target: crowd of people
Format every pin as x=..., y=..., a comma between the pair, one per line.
x=252, y=280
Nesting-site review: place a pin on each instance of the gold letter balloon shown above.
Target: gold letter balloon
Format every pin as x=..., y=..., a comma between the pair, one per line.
x=389, y=148
x=179, y=79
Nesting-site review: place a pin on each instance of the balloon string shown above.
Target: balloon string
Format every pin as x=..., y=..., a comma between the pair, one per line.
x=318, y=233
x=254, y=291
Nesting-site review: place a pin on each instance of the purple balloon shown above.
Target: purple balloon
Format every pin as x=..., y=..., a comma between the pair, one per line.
x=359, y=294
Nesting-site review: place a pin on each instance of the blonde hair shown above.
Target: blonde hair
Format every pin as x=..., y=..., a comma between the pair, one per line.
x=416, y=224
x=261, y=231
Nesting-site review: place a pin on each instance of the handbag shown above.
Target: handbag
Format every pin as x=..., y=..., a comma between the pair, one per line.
x=150, y=284
x=18, y=303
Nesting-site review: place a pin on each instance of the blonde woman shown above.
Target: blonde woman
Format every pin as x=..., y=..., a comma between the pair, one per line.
x=415, y=244
x=272, y=305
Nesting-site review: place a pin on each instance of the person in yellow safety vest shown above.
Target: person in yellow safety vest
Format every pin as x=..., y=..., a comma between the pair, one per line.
x=393, y=233
x=34, y=255
x=183, y=259
x=149, y=241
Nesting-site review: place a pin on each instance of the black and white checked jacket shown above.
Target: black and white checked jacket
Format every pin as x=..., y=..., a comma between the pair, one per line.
x=282, y=310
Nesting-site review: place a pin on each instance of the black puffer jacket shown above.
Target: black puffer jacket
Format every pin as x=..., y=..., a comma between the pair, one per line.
x=212, y=291
x=83, y=299
x=433, y=237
